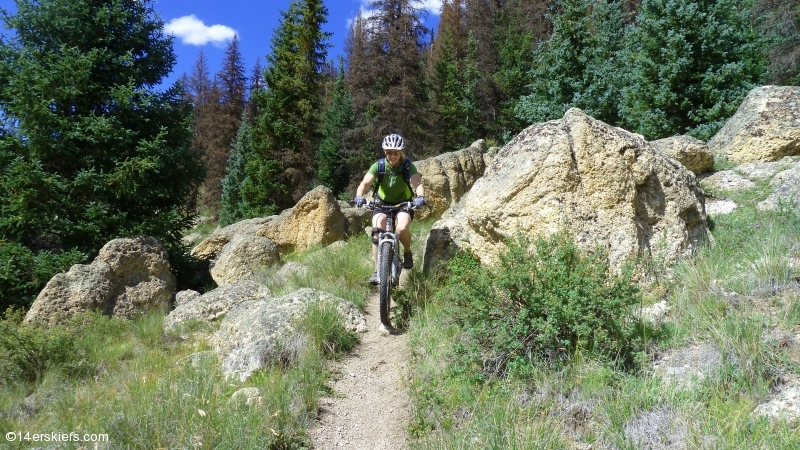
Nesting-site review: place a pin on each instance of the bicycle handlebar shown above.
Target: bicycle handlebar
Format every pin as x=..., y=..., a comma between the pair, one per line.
x=404, y=206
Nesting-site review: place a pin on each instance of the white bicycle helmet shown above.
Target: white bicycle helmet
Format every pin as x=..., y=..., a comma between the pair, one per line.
x=393, y=142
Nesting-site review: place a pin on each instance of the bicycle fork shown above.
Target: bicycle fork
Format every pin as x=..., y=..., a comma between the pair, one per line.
x=388, y=236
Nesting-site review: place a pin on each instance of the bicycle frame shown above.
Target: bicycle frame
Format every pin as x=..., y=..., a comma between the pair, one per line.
x=388, y=272
x=391, y=236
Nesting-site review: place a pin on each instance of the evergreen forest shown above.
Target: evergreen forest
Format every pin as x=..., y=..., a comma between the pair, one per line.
x=93, y=148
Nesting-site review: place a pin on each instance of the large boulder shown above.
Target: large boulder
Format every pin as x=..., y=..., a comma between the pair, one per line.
x=130, y=276
x=258, y=333
x=214, y=304
x=210, y=247
x=449, y=176
x=692, y=153
x=606, y=186
x=766, y=127
x=240, y=257
x=355, y=218
x=316, y=219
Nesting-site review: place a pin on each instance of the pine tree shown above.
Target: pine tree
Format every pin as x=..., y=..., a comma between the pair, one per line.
x=359, y=65
x=482, y=17
x=454, y=85
x=102, y=156
x=221, y=122
x=454, y=78
x=337, y=118
x=232, y=209
x=779, y=22
x=521, y=25
x=256, y=84
x=289, y=108
x=692, y=63
x=359, y=141
x=452, y=20
x=197, y=91
x=579, y=65
x=387, y=77
x=232, y=80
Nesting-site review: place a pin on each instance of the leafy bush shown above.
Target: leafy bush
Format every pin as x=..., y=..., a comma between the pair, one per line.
x=23, y=274
x=544, y=301
x=27, y=351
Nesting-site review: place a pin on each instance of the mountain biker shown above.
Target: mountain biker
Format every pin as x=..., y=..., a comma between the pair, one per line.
x=393, y=189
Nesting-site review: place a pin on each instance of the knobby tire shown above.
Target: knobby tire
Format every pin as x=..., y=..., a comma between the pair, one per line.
x=385, y=267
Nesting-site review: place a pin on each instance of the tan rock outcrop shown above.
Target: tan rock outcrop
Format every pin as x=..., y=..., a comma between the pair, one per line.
x=240, y=257
x=256, y=334
x=214, y=304
x=210, y=247
x=130, y=276
x=786, y=190
x=690, y=152
x=355, y=218
x=449, y=176
x=766, y=127
x=605, y=185
x=316, y=220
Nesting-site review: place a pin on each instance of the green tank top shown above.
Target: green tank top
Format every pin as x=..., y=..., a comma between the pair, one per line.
x=393, y=189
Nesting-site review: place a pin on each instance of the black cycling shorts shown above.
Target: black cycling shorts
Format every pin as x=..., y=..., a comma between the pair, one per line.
x=379, y=210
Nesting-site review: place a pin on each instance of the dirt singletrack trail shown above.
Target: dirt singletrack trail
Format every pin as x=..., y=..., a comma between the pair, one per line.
x=369, y=407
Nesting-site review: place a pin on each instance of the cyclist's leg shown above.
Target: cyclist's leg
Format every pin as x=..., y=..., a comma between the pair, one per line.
x=404, y=230
x=378, y=221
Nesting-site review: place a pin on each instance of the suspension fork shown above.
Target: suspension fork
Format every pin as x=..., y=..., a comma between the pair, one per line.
x=387, y=236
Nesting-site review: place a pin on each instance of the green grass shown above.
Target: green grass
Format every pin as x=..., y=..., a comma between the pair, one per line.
x=145, y=388
x=144, y=393
x=730, y=296
x=204, y=228
x=340, y=270
x=149, y=389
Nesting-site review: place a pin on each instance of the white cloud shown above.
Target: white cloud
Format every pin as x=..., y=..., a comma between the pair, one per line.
x=192, y=31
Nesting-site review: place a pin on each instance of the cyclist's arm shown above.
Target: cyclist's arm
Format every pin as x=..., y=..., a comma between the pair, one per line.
x=416, y=184
x=365, y=184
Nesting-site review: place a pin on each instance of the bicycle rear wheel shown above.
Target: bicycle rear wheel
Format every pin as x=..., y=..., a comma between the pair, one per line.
x=385, y=288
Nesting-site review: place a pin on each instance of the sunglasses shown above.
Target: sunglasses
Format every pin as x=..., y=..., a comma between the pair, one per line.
x=392, y=152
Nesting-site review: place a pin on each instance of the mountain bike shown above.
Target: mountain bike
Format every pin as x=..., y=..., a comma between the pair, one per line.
x=388, y=263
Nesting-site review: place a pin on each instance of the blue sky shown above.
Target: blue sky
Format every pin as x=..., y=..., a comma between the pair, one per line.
x=211, y=24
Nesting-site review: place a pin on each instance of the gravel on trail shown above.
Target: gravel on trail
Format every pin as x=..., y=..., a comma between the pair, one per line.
x=369, y=408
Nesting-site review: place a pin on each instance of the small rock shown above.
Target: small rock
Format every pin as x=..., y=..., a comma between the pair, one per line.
x=716, y=207
x=784, y=405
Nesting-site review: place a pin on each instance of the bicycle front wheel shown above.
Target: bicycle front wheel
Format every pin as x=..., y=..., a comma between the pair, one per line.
x=385, y=288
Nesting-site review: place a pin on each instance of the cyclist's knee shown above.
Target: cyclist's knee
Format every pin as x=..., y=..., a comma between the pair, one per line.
x=379, y=221
x=375, y=232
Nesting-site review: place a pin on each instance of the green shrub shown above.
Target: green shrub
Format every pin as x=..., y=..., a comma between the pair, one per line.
x=76, y=348
x=544, y=302
x=27, y=351
x=23, y=274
